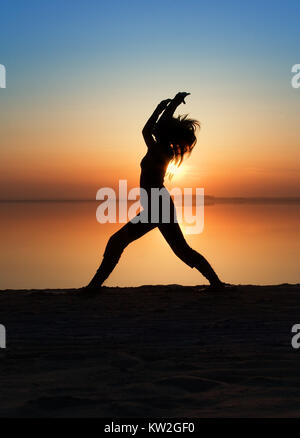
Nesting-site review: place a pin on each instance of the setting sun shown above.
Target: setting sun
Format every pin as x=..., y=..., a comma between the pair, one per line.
x=173, y=169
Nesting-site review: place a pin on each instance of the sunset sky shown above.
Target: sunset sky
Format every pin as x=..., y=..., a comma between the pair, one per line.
x=84, y=76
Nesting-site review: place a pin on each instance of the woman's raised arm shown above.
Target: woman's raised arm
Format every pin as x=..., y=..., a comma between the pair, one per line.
x=148, y=128
x=174, y=103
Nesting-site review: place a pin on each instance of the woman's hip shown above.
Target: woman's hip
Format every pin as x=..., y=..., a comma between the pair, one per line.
x=158, y=206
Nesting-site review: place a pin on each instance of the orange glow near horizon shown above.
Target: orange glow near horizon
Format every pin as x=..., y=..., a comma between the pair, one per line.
x=67, y=153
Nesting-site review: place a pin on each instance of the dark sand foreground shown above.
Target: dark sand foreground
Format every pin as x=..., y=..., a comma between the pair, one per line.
x=150, y=351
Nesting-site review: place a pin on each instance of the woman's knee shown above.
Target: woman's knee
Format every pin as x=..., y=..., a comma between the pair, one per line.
x=185, y=253
x=115, y=245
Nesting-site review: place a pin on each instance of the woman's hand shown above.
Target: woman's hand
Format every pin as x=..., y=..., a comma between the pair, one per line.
x=163, y=104
x=169, y=106
x=179, y=98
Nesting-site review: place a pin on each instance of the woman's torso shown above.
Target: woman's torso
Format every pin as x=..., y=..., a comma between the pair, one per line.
x=154, y=166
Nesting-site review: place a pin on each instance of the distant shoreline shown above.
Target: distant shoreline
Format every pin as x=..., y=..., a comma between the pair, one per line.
x=238, y=288
x=209, y=200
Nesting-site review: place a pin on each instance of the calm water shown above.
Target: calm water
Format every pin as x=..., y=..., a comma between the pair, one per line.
x=59, y=245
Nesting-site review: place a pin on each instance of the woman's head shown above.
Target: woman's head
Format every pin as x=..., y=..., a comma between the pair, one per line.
x=179, y=133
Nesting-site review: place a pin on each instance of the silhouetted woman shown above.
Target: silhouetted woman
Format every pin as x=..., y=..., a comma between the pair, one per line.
x=167, y=139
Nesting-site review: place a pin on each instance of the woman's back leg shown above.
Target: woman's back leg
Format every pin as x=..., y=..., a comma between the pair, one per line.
x=175, y=238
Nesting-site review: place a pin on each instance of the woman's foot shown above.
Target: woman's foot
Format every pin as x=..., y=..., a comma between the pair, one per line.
x=220, y=287
x=90, y=290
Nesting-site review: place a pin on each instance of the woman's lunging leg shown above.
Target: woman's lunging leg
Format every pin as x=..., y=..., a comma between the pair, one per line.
x=115, y=247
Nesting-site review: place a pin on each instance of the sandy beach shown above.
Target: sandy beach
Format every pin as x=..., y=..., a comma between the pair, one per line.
x=168, y=351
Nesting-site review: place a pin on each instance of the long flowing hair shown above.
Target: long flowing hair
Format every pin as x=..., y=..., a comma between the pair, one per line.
x=180, y=135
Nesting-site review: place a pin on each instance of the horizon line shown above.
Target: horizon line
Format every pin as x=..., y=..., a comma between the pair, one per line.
x=209, y=198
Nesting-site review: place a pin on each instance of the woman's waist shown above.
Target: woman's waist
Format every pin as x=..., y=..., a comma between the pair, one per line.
x=152, y=188
x=149, y=179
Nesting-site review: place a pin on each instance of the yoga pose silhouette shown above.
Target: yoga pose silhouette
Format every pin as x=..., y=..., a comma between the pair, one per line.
x=167, y=138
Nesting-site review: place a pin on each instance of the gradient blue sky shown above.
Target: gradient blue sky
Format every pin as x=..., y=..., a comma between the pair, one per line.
x=82, y=76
